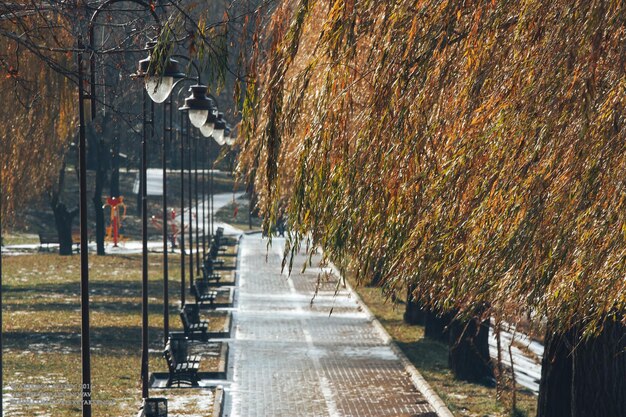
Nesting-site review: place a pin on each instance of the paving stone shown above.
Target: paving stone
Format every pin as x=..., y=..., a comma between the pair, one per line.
x=290, y=357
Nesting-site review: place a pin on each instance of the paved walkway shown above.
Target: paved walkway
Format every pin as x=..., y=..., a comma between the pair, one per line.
x=290, y=358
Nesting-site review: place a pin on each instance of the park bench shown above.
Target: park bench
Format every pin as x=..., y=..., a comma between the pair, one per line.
x=214, y=252
x=194, y=327
x=47, y=239
x=208, y=274
x=180, y=355
x=218, y=237
x=202, y=293
x=52, y=238
x=181, y=372
x=219, y=232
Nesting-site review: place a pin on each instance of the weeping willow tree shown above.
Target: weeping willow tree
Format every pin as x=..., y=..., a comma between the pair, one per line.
x=475, y=150
x=38, y=113
x=38, y=79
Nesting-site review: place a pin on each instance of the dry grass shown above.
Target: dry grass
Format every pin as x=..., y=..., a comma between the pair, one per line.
x=42, y=333
x=242, y=221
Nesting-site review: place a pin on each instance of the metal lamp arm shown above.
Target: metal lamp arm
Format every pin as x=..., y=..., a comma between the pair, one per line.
x=180, y=83
x=92, y=59
x=193, y=64
x=107, y=3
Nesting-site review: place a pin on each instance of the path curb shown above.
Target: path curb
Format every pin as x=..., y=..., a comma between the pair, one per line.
x=418, y=380
x=218, y=403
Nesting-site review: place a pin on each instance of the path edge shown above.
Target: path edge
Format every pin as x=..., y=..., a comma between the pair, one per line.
x=218, y=402
x=418, y=380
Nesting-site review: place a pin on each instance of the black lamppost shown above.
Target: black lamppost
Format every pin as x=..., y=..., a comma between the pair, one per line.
x=204, y=199
x=197, y=211
x=167, y=111
x=201, y=109
x=219, y=128
x=1, y=303
x=167, y=129
x=190, y=135
x=197, y=106
x=84, y=256
x=159, y=73
x=207, y=131
x=183, y=132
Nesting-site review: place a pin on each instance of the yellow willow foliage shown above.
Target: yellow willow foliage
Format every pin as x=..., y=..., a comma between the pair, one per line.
x=473, y=148
x=39, y=116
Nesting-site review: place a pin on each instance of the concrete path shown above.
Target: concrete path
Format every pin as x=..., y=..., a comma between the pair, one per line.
x=290, y=358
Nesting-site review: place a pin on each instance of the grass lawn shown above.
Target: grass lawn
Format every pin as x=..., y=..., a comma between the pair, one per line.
x=42, y=369
x=225, y=215
x=19, y=238
x=431, y=359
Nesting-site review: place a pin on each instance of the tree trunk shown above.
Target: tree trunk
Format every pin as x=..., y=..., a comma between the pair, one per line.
x=63, y=217
x=377, y=274
x=584, y=377
x=436, y=325
x=468, y=354
x=413, y=314
x=555, y=394
x=599, y=373
x=63, y=220
x=99, y=158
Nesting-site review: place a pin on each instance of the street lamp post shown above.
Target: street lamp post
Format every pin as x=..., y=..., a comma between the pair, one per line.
x=183, y=134
x=85, y=340
x=190, y=135
x=1, y=303
x=207, y=131
x=144, y=241
x=158, y=87
x=84, y=254
x=196, y=107
x=197, y=208
x=167, y=130
x=204, y=147
x=200, y=109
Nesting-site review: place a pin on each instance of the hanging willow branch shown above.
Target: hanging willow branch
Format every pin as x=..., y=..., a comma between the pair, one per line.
x=472, y=149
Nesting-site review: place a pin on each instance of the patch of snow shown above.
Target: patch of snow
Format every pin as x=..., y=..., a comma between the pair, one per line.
x=527, y=369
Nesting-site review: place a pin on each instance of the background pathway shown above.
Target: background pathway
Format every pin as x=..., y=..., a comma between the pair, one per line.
x=290, y=358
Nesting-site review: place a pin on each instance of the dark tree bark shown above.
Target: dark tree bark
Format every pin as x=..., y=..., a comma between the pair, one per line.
x=377, y=273
x=555, y=394
x=584, y=377
x=436, y=325
x=63, y=217
x=414, y=312
x=100, y=165
x=599, y=373
x=468, y=354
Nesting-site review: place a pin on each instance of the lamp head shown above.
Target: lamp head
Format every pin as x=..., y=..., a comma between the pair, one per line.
x=220, y=126
x=159, y=72
x=198, y=105
x=227, y=132
x=208, y=127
